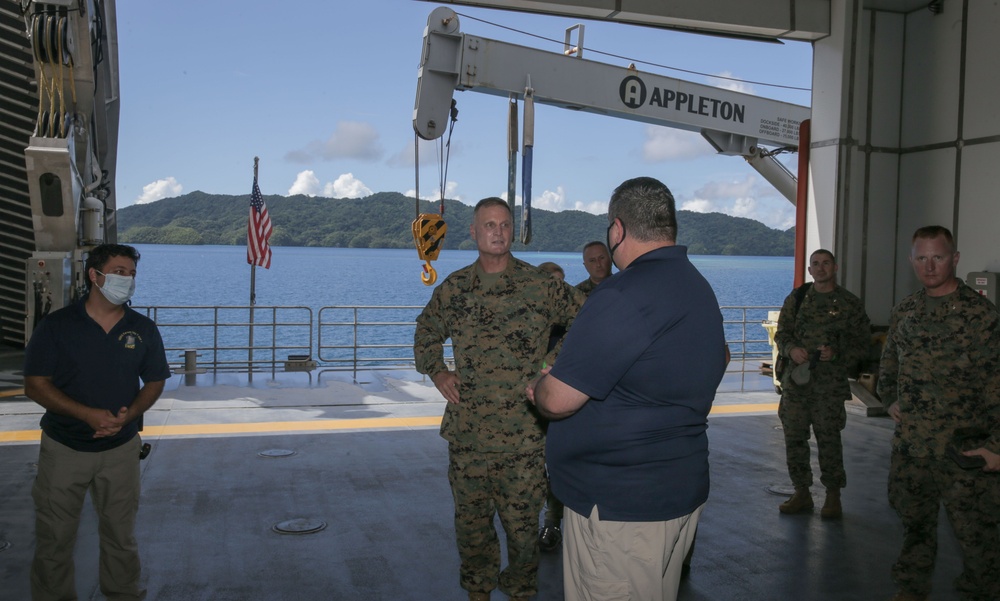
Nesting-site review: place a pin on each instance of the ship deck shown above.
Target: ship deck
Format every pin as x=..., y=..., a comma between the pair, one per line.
x=235, y=456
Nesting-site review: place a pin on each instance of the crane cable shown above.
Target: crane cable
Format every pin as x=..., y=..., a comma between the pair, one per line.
x=429, y=228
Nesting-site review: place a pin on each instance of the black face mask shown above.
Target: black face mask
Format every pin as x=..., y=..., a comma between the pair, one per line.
x=607, y=238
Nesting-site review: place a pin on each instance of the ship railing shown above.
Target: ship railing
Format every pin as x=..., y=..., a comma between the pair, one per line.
x=750, y=348
x=233, y=338
x=371, y=337
x=353, y=337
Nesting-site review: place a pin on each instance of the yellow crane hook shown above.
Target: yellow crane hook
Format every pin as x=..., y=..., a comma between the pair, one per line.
x=428, y=233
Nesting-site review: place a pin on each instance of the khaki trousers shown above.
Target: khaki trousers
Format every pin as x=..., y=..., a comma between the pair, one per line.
x=64, y=477
x=618, y=561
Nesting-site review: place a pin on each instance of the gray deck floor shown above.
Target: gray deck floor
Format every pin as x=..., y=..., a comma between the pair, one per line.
x=209, y=502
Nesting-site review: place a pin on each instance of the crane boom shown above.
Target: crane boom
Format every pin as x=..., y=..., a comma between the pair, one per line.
x=733, y=122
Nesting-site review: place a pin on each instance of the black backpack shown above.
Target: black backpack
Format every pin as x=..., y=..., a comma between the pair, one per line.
x=781, y=363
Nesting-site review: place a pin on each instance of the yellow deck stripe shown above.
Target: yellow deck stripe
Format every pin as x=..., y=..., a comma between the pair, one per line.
x=300, y=426
x=744, y=408
x=328, y=425
x=21, y=436
x=14, y=392
x=257, y=428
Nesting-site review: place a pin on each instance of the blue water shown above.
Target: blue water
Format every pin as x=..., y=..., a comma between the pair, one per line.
x=314, y=278
x=318, y=277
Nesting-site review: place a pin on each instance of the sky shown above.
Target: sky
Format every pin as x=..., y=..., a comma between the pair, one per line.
x=322, y=92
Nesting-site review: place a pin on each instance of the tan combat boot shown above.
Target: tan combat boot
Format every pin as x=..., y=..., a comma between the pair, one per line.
x=479, y=596
x=831, y=507
x=800, y=501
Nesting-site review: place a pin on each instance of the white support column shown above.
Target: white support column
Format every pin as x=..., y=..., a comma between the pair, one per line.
x=829, y=170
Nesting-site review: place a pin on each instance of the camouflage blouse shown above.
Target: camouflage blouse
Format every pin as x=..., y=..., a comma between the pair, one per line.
x=941, y=363
x=836, y=319
x=500, y=338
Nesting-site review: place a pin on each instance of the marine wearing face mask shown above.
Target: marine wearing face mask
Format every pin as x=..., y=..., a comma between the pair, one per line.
x=118, y=289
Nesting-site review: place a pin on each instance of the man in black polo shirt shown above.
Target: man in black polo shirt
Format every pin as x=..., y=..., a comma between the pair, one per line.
x=630, y=394
x=95, y=366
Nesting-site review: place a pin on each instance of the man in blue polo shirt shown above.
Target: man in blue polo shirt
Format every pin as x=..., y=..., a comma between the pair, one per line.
x=629, y=395
x=95, y=366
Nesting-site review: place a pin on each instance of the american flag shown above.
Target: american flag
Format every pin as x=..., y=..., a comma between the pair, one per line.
x=258, y=230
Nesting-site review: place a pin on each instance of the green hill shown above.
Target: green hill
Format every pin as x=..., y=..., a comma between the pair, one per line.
x=383, y=220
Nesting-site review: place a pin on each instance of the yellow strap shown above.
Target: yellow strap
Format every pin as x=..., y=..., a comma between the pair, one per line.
x=51, y=85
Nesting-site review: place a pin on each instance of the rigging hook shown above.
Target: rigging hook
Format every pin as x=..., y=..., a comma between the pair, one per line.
x=429, y=228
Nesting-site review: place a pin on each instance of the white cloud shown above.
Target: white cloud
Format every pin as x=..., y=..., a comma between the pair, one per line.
x=346, y=186
x=669, y=144
x=435, y=194
x=161, y=188
x=727, y=189
x=698, y=205
x=517, y=197
x=548, y=200
x=428, y=154
x=732, y=85
x=556, y=201
x=350, y=140
x=750, y=197
x=306, y=183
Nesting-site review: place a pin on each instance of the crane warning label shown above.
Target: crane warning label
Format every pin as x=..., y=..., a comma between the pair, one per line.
x=779, y=127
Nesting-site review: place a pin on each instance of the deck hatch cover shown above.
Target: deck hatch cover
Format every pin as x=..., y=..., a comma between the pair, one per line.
x=299, y=526
x=276, y=453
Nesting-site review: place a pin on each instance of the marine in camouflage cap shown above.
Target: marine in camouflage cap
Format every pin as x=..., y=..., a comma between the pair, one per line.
x=940, y=371
x=498, y=313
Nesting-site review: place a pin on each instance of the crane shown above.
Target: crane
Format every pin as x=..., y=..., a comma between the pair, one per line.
x=734, y=123
x=71, y=153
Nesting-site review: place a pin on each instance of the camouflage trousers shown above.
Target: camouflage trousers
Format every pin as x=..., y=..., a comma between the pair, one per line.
x=917, y=487
x=827, y=417
x=487, y=484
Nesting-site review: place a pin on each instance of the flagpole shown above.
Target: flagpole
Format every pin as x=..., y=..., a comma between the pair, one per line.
x=253, y=292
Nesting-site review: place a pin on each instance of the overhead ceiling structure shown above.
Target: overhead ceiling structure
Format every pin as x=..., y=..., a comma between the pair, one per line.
x=904, y=131
x=791, y=20
x=804, y=20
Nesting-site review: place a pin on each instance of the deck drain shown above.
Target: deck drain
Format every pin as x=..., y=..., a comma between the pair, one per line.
x=277, y=453
x=299, y=526
x=783, y=490
x=4, y=545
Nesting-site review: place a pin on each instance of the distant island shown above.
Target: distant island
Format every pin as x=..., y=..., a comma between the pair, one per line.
x=383, y=220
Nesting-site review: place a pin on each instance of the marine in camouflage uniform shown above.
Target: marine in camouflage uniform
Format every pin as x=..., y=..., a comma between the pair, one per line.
x=586, y=286
x=939, y=372
x=831, y=325
x=499, y=324
x=597, y=262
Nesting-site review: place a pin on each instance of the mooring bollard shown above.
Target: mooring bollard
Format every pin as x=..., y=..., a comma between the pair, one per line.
x=190, y=366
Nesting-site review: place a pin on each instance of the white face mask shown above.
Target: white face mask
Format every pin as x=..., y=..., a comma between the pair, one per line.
x=118, y=289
